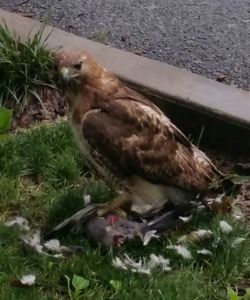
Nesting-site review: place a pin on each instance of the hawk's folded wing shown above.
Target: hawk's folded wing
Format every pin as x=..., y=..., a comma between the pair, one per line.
x=133, y=137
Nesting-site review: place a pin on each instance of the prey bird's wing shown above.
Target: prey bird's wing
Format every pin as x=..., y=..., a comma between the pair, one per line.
x=80, y=217
x=163, y=222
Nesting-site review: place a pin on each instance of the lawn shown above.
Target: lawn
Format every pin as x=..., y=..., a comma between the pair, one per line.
x=43, y=178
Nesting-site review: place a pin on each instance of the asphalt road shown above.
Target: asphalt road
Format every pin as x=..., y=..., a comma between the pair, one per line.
x=208, y=37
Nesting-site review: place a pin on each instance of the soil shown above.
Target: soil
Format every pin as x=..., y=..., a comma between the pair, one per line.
x=53, y=107
x=230, y=165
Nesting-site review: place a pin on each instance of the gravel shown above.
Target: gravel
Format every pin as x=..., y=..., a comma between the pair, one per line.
x=211, y=38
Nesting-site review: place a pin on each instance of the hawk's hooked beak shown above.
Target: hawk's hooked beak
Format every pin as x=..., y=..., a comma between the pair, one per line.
x=65, y=73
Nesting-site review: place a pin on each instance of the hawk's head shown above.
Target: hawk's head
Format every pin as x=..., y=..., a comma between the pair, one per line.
x=76, y=67
x=78, y=73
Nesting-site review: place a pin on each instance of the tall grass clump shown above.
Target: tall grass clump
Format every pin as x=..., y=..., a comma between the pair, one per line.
x=25, y=68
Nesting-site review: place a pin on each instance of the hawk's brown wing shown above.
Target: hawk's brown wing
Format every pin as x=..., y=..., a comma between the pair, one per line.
x=135, y=138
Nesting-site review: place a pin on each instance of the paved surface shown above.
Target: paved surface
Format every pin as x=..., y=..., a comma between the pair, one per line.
x=207, y=37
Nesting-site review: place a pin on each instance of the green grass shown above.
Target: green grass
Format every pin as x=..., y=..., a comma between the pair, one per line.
x=43, y=178
x=25, y=68
x=101, y=36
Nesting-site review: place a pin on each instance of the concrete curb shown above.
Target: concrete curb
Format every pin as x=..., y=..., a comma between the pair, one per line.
x=169, y=83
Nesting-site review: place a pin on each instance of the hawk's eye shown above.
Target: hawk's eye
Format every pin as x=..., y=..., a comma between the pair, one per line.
x=77, y=66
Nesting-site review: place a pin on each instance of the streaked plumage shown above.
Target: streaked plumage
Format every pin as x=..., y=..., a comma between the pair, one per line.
x=128, y=140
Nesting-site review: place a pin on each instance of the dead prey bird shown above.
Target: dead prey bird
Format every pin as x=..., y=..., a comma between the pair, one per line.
x=112, y=230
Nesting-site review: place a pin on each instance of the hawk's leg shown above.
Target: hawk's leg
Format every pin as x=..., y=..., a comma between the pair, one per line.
x=115, y=206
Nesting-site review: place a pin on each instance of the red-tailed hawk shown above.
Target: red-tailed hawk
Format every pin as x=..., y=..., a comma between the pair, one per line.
x=129, y=141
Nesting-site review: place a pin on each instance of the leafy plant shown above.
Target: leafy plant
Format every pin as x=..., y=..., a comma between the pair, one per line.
x=79, y=283
x=25, y=67
x=232, y=295
x=5, y=119
x=101, y=36
x=116, y=284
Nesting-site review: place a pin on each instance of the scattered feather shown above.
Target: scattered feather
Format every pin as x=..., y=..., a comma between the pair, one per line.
x=217, y=241
x=20, y=222
x=132, y=263
x=33, y=240
x=53, y=245
x=149, y=235
x=181, y=250
x=237, y=241
x=28, y=280
x=60, y=250
x=196, y=236
x=237, y=214
x=142, y=266
x=87, y=200
x=58, y=255
x=203, y=233
x=158, y=261
x=201, y=208
x=182, y=239
x=225, y=227
x=118, y=263
x=141, y=270
x=204, y=252
x=186, y=219
x=217, y=199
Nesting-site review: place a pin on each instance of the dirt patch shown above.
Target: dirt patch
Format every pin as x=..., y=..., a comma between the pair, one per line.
x=231, y=164
x=244, y=201
x=53, y=107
